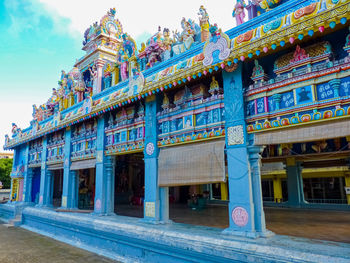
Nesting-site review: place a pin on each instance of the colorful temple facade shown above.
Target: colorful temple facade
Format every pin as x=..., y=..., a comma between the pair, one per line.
x=257, y=115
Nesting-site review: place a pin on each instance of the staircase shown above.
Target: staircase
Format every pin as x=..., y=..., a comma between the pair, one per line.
x=14, y=222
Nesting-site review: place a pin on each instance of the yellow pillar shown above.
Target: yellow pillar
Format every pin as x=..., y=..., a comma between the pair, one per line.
x=15, y=189
x=347, y=184
x=224, y=192
x=277, y=190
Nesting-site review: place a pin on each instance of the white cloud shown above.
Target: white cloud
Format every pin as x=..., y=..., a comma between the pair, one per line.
x=138, y=17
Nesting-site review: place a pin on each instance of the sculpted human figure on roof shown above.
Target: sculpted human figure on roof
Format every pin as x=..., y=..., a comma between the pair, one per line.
x=186, y=38
x=238, y=12
x=204, y=23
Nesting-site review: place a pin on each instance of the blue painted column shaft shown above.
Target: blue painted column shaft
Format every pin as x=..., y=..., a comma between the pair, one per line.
x=14, y=164
x=156, y=206
x=241, y=205
x=67, y=191
x=100, y=204
x=294, y=183
x=110, y=177
x=28, y=177
x=44, y=177
x=255, y=164
x=28, y=182
x=74, y=177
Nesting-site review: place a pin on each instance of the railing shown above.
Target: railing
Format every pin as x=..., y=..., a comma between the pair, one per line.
x=327, y=201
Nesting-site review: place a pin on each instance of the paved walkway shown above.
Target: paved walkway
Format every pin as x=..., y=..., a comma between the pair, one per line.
x=18, y=245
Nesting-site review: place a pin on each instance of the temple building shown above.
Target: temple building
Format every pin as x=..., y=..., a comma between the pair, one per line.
x=175, y=152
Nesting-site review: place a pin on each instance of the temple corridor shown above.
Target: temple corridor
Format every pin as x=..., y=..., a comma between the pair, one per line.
x=316, y=224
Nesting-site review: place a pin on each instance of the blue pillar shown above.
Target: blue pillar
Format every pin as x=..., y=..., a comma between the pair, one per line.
x=14, y=164
x=28, y=177
x=44, y=178
x=294, y=183
x=69, y=193
x=255, y=165
x=335, y=84
x=28, y=183
x=100, y=204
x=156, y=205
x=241, y=205
x=110, y=174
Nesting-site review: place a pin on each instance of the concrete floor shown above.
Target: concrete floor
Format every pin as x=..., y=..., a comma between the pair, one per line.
x=316, y=224
x=18, y=245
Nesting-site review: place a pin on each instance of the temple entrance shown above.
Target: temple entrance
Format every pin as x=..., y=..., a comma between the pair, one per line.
x=205, y=205
x=129, y=185
x=57, y=187
x=86, y=189
x=36, y=185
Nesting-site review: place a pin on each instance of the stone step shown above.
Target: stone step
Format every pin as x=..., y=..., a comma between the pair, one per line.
x=8, y=225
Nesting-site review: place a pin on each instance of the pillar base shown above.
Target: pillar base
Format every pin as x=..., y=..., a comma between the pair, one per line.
x=154, y=221
x=66, y=209
x=231, y=232
x=44, y=206
x=248, y=234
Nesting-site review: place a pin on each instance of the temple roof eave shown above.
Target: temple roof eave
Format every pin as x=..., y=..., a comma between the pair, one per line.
x=183, y=76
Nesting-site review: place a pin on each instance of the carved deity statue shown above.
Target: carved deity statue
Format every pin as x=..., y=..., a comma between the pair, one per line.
x=238, y=12
x=166, y=102
x=299, y=55
x=124, y=64
x=167, y=42
x=257, y=70
x=93, y=76
x=15, y=130
x=204, y=23
x=185, y=39
x=214, y=86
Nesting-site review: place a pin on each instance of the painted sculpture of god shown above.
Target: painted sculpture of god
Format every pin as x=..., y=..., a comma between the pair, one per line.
x=186, y=38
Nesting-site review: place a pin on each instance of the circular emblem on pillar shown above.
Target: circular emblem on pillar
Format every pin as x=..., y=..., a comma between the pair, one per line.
x=240, y=216
x=150, y=148
x=98, y=204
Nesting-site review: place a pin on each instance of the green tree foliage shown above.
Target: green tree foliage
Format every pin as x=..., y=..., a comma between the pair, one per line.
x=5, y=170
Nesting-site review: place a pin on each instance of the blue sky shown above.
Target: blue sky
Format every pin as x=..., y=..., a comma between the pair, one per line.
x=39, y=38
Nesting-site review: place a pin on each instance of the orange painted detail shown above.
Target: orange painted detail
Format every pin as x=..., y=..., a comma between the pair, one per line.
x=245, y=37
x=307, y=10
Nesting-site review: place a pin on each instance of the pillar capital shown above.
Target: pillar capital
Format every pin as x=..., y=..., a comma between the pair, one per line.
x=100, y=63
x=255, y=151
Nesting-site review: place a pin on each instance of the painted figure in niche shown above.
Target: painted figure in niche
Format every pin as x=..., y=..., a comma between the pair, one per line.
x=124, y=64
x=142, y=57
x=128, y=45
x=184, y=40
x=154, y=56
x=107, y=76
x=93, y=76
x=299, y=55
x=304, y=95
x=257, y=70
x=204, y=23
x=214, y=86
x=238, y=12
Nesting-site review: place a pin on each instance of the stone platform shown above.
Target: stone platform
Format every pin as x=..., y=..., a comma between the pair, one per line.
x=131, y=240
